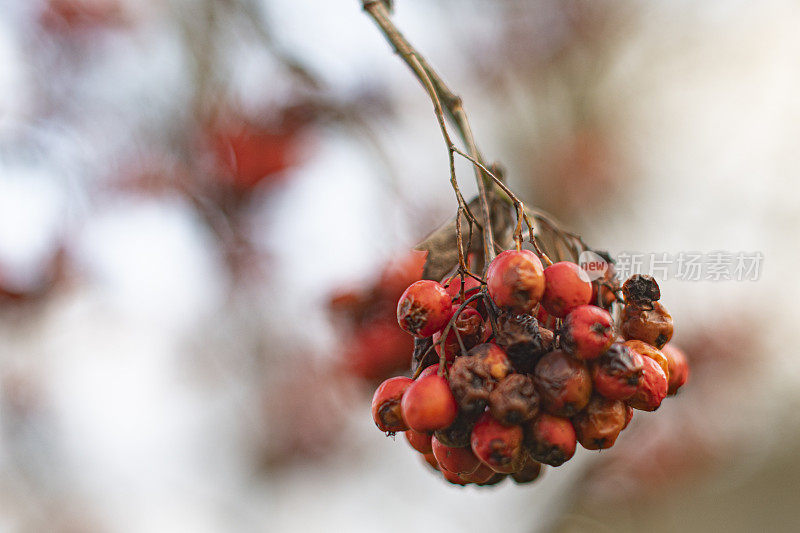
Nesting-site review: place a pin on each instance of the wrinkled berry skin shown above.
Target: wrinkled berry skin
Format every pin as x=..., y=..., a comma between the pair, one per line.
x=678, y=367
x=652, y=324
x=566, y=287
x=520, y=337
x=616, y=374
x=497, y=445
x=471, y=328
x=428, y=404
x=457, y=434
x=588, y=332
x=419, y=441
x=641, y=289
x=652, y=389
x=471, y=384
x=495, y=359
x=598, y=426
x=424, y=308
x=514, y=400
x=529, y=471
x=563, y=383
x=646, y=350
x=386, y=404
x=455, y=460
x=515, y=280
x=551, y=440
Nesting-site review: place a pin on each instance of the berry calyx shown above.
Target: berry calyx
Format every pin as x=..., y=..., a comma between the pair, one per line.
x=550, y=439
x=616, y=373
x=588, y=332
x=566, y=287
x=424, y=308
x=428, y=404
x=497, y=445
x=563, y=383
x=387, y=404
x=652, y=389
x=515, y=280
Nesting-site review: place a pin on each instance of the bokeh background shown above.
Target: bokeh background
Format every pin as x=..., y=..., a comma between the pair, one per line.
x=206, y=210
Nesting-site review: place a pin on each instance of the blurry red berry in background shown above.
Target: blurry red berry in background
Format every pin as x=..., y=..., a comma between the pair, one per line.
x=399, y=274
x=377, y=350
x=82, y=15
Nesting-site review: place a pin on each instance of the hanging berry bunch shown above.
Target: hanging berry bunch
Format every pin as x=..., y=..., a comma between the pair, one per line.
x=514, y=368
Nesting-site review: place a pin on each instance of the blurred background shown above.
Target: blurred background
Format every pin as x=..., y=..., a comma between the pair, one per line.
x=206, y=211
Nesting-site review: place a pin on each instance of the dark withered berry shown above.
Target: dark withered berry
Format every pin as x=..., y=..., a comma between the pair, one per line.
x=514, y=400
x=471, y=384
x=519, y=336
x=641, y=289
x=563, y=383
x=598, y=425
x=529, y=471
x=457, y=434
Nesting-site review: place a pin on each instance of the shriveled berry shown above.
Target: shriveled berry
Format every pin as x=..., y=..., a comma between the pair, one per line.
x=515, y=280
x=647, y=350
x=519, y=336
x=471, y=384
x=678, y=367
x=456, y=460
x=481, y=475
x=468, y=325
x=428, y=404
x=514, y=400
x=652, y=324
x=550, y=439
x=530, y=470
x=386, y=404
x=419, y=441
x=598, y=426
x=494, y=357
x=566, y=287
x=497, y=445
x=424, y=308
x=652, y=389
x=588, y=332
x=616, y=373
x=641, y=289
x=563, y=383
x=457, y=434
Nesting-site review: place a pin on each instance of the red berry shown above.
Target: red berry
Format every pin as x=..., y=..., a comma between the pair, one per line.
x=456, y=460
x=377, y=350
x=386, y=404
x=550, y=439
x=588, y=332
x=563, y=383
x=471, y=287
x=481, y=475
x=515, y=280
x=566, y=287
x=497, y=445
x=678, y=367
x=453, y=478
x=651, y=324
x=401, y=273
x=646, y=350
x=431, y=460
x=616, y=373
x=419, y=441
x=424, y=308
x=471, y=330
x=598, y=426
x=652, y=389
x=428, y=404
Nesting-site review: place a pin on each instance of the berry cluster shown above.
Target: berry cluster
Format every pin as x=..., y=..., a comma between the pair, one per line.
x=527, y=367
